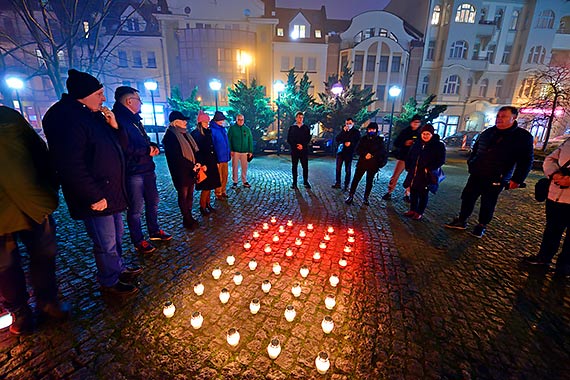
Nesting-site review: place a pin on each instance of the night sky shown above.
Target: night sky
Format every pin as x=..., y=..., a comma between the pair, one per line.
x=336, y=9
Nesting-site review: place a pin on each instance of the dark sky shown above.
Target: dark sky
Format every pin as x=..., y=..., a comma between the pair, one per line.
x=336, y=9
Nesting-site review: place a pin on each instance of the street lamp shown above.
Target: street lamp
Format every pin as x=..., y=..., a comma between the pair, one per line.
x=151, y=86
x=279, y=86
x=215, y=86
x=394, y=92
x=16, y=84
x=337, y=89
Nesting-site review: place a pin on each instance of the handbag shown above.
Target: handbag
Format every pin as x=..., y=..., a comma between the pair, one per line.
x=542, y=186
x=249, y=157
x=436, y=177
x=201, y=175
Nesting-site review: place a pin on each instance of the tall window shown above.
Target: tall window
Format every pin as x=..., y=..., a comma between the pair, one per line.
x=358, y=62
x=465, y=13
x=514, y=20
x=383, y=64
x=499, y=17
x=285, y=63
x=483, y=87
x=396, y=62
x=123, y=60
x=469, y=86
x=436, y=15
x=137, y=58
x=151, y=60
x=425, y=85
x=536, y=55
x=380, y=90
x=430, y=51
x=545, y=19
x=506, y=55
x=298, y=63
x=499, y=88
x=527, y=87
x=299, y=31
x=312, y=64
x=452, y=84
x=458, y=50
x=370, y=63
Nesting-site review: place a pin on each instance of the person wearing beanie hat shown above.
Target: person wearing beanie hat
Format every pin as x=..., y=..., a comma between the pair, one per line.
x=402, y=145
x=222, y=148
x=424, y=160
x=85, y=150
x=372, y=156
x=203, y=117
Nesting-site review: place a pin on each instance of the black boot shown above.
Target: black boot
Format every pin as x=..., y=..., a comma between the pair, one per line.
x=349, y=199
x=189, y=222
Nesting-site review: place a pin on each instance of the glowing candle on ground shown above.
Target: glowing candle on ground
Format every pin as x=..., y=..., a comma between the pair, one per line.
x=230, y=260
x=289, y=223
x=302, y=234
x=265, y=227
x=238, y=278
x=304, y=271
x=322, y=362
x=322, y=245
x=347, y=249
x=224, y=295
x=310, y=227
x=281, y=229
x=247, y=245
x=298, y=242
x=274, y=348
x=266, y=286
x=254, y=306
x=316, y=256
x=273, y=220
x=199, y=289
x=276, y=268
x=196, y=320
x=256, y=234
x=351, y=239
x=327, y=237
x=290, y=313
x=275, y=238
x=327, y=324
x=343, y=262
x=267, y=248
x=296, y=289
x=216, y=273
x=233, y=337
x=351, y=231
x=252, y=264
x=334, y=280
x=330, y=302
x=330, y=230
x=289, y=252
x=168, y=309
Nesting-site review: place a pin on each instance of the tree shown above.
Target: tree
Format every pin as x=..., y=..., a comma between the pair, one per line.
x=551, y=96
x=251, y=102
x=352, y=102
x=189, y=107
x=426, y=110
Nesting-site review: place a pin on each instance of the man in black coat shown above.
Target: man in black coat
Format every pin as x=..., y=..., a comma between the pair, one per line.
x=84, y=148
x=501, y=159
x=298, y=137
x=140, y=176
x=346, y=140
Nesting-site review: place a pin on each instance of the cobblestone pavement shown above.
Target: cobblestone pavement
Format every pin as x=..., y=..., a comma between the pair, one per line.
x=416, y=301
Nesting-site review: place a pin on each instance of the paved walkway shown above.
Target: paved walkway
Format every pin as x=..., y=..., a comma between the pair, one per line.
x=416, y=301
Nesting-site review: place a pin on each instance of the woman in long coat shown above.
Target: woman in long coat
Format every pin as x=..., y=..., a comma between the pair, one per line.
x=426, y=156
x=206, y=156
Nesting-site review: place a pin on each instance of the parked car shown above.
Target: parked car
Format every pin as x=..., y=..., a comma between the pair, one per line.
x=268, y=143
x=322, y=144
x=456, y=140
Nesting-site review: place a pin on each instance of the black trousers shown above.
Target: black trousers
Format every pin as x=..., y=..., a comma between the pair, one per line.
x=347, y=161
x=419, y=200
x=359, y=173
x=185, y=200
x=302, y=156
x=479, y=187
x=557, y=221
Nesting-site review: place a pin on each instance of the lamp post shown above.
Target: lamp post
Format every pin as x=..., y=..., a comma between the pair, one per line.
x=16, y=84
x=394, y=92
x=337, y=89
x=215, y=86
x=151, y=86
x=279, y=87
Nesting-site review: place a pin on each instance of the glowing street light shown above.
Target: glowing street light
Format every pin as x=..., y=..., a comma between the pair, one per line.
x=151, y=86
x=337, y=89
x=394, y=92
x=215, y=85
x=16, y=84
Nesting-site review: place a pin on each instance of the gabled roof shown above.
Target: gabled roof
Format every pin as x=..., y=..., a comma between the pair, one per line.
x=317, y=18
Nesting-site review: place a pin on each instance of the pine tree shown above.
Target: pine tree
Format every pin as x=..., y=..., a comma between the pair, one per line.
x=426, y=110
x=189, y=106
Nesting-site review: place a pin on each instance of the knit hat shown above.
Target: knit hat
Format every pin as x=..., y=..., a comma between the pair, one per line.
x=372, y=125
x=203, y=116
x=177, y=115
x=416, y=118
x=428, y=128
x=80, y=84
x=218, y=116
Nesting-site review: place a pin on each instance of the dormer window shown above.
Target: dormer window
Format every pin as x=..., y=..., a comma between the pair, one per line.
x=317, y=33
x=299, y=31
x=132, y=21
x=279, y=32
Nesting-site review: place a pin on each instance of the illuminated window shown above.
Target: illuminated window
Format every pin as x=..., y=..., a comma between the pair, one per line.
x=299, y=31
x=458, y=50
x=465, y=14
x=436, y=15
x=279, y=32
x=545, y=19
x=536, y=55
x=317, y=33
x=452, y=84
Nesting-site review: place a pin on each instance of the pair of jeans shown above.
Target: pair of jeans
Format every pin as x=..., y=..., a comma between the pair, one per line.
x=419, y=200
x=488, y=191
x=41, y=246
x=369, y=180
x=142, y=191
x=557, y=221
x=347, y=161
x=239, y=159
x=302, y=156
x=106, y=232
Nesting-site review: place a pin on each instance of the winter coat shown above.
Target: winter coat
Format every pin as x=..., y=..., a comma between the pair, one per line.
x=375, y=146
x=240, y=138
x=206, y=155
x=552, y=164
x=28, y=190
x=299, y=135
x=134, y=141
x=497, y=152
x=181, y=169
x=401, y=150
x=88, y=158
x=352, y=136
x=423, y=158
x=221, y=143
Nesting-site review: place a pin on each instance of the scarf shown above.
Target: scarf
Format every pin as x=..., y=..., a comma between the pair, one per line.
x=187, y=143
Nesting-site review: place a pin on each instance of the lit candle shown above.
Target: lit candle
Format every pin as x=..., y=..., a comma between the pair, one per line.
x=296, y=289
x=267, y=248
x=330, y=230
x=322, y=362
x=281, y=229
x=275, y=238
x=252, y=264
x=334, y=280
x=230, y=260
x=266, y=286
x=233, y=337
x=302, y=234
x=298, y=242
x=276, y=268
x=330, y=302
x=347, y=249
x=238, y=278
x=290, y=313
x=316, y=256
x=327, y=237
x=351, y=239
x=351, y=231
x=327, y=324
x=289, y=223
x=199, y=289
x=196, y=320
x=256, y=234
x=224, y=295
x=216, y=273
x=168, y=309
x=310, y=227
x=273, y=220
x=265, y=227
x=304, y=271
x=247, y=245
x=289, y=252
x=342, y=262
x=274, y=348
x=322, y=245
x=254, y=306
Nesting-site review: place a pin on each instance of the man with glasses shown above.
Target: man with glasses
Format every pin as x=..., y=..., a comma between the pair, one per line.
x=346, y=140
x=140, y=178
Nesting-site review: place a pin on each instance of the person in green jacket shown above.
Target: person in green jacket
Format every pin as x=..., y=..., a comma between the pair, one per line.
x=241, y=150
x=28, y=196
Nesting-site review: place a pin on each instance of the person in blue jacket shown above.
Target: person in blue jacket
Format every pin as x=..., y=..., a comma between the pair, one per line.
x=222, y=147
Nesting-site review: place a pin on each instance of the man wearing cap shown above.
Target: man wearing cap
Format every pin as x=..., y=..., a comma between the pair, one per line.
x=84, y=147
x=222, y=148
x=141, y=179
x=241, y=148
x=298, y=137
x=402, y=145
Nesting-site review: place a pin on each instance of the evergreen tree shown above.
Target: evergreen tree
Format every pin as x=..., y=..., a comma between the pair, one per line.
x=426, y=110
x=189, y=106
x=251, y=102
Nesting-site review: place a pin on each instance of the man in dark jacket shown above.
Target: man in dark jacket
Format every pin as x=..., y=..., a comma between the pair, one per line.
x=346, y=140
x=28, y=196
x=402, y=145
x=298, y=137
x=501, y=159
x=140, y=176
x=85, y=151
